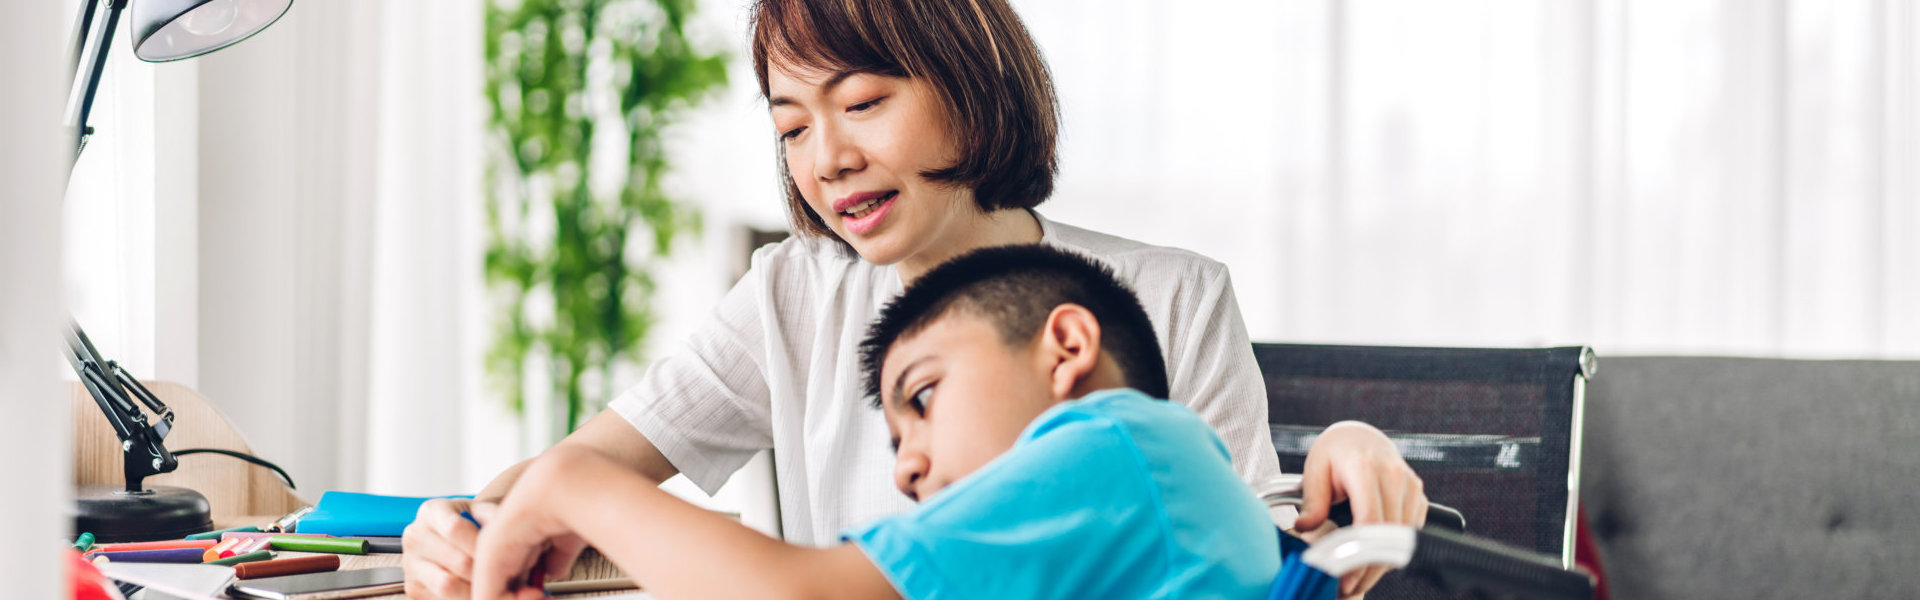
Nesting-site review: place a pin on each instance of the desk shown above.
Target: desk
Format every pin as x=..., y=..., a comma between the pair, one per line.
x=591, y=564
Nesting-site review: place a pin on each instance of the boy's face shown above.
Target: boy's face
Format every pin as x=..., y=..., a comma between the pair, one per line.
x=956, y=396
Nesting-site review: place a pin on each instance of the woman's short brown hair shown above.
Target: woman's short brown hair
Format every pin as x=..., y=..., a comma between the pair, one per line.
x=983, y=66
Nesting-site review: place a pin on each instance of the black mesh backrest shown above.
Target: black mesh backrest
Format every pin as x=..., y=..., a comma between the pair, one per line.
x=1490, y=431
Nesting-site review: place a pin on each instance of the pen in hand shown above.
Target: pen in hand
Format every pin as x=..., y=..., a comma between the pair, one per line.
x=537, y=577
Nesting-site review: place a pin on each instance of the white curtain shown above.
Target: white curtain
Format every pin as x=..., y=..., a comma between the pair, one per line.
x=1692, y=176
x=338, y=261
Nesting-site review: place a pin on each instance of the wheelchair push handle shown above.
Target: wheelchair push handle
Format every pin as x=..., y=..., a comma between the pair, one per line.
x=1439, y=516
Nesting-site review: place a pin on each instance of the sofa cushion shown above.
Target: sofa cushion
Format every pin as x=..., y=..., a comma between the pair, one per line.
x=1755, y=478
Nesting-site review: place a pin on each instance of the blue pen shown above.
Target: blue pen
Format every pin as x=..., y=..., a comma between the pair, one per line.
x=469, y=517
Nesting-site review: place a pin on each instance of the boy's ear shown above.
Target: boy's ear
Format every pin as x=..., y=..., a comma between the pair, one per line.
x=1070, y=345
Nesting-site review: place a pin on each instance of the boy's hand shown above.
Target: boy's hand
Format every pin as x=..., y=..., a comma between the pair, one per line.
x=438, y=550
x=1354, y=462
x=525, y=538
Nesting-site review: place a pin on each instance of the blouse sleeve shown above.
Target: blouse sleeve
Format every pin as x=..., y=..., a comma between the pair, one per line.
x=1211, y=369
x=706, y=405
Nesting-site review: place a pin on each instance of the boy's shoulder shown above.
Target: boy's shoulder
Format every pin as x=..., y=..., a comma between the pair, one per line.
x=1142, y=419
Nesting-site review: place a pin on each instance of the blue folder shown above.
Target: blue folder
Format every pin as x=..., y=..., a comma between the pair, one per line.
x=347, y=514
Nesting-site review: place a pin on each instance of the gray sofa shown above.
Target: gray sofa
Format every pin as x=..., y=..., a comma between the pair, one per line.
x=1754, y=478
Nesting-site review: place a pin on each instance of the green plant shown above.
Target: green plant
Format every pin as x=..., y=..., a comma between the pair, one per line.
x=575, y=227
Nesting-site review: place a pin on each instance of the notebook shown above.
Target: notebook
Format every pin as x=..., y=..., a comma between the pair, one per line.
x=347, y=514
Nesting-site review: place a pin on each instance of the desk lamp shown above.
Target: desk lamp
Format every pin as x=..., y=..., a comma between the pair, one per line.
x=163, y=30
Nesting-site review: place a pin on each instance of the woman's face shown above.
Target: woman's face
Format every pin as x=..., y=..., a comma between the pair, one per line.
x=856, y=144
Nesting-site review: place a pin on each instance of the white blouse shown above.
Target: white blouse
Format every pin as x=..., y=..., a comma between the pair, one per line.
x=776, y=368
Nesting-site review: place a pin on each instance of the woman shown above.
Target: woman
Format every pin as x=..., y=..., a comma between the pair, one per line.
x=910, y=132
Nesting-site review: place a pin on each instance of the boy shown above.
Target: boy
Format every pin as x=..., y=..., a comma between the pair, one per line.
x=1003, y=376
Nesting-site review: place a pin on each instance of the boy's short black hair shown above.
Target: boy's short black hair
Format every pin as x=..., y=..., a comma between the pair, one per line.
x=1016, y=288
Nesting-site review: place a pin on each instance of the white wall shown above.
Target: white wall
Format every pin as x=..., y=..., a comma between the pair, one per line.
x=33, y=161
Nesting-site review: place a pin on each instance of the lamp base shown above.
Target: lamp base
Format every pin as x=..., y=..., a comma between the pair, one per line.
x=161, y=512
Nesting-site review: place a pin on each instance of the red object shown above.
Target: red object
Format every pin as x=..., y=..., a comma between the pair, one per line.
x=538, y=576
x=1587, y=554
x=87, y=582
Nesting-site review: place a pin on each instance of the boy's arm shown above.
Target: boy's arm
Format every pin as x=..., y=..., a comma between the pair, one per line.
x=675, y=549
x=440, y=543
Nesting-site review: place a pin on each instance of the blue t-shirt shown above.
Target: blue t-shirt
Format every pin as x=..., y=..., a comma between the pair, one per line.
x=1115, y=495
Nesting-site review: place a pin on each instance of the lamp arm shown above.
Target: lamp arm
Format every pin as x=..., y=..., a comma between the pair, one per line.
x=90, y=67
x=80, y=29
x=127, y=382
x=142, y=452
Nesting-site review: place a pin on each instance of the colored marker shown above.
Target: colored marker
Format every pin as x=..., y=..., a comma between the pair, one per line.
x=329, y=545
x=169, y=555
x=250, y=545
x=162, y=545
x=223, y=549
x=583, y=586
x=255, y=556
x=287, y=566
x=381, y=544
x=261, y=535
x=291, y=522
x=83, y=542
x=216, y=534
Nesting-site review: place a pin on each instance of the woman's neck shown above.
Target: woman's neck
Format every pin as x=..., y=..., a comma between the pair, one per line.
x=998, y=228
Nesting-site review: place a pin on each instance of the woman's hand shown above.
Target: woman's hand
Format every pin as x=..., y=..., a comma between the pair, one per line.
x=1354, y=462
x=525, y=538
x=437, y=550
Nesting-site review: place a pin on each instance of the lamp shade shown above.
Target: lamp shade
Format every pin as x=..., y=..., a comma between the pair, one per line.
x=165, y=30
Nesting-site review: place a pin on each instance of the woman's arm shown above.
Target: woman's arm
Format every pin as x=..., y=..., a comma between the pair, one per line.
x=1211, y=369
x=675, y=549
